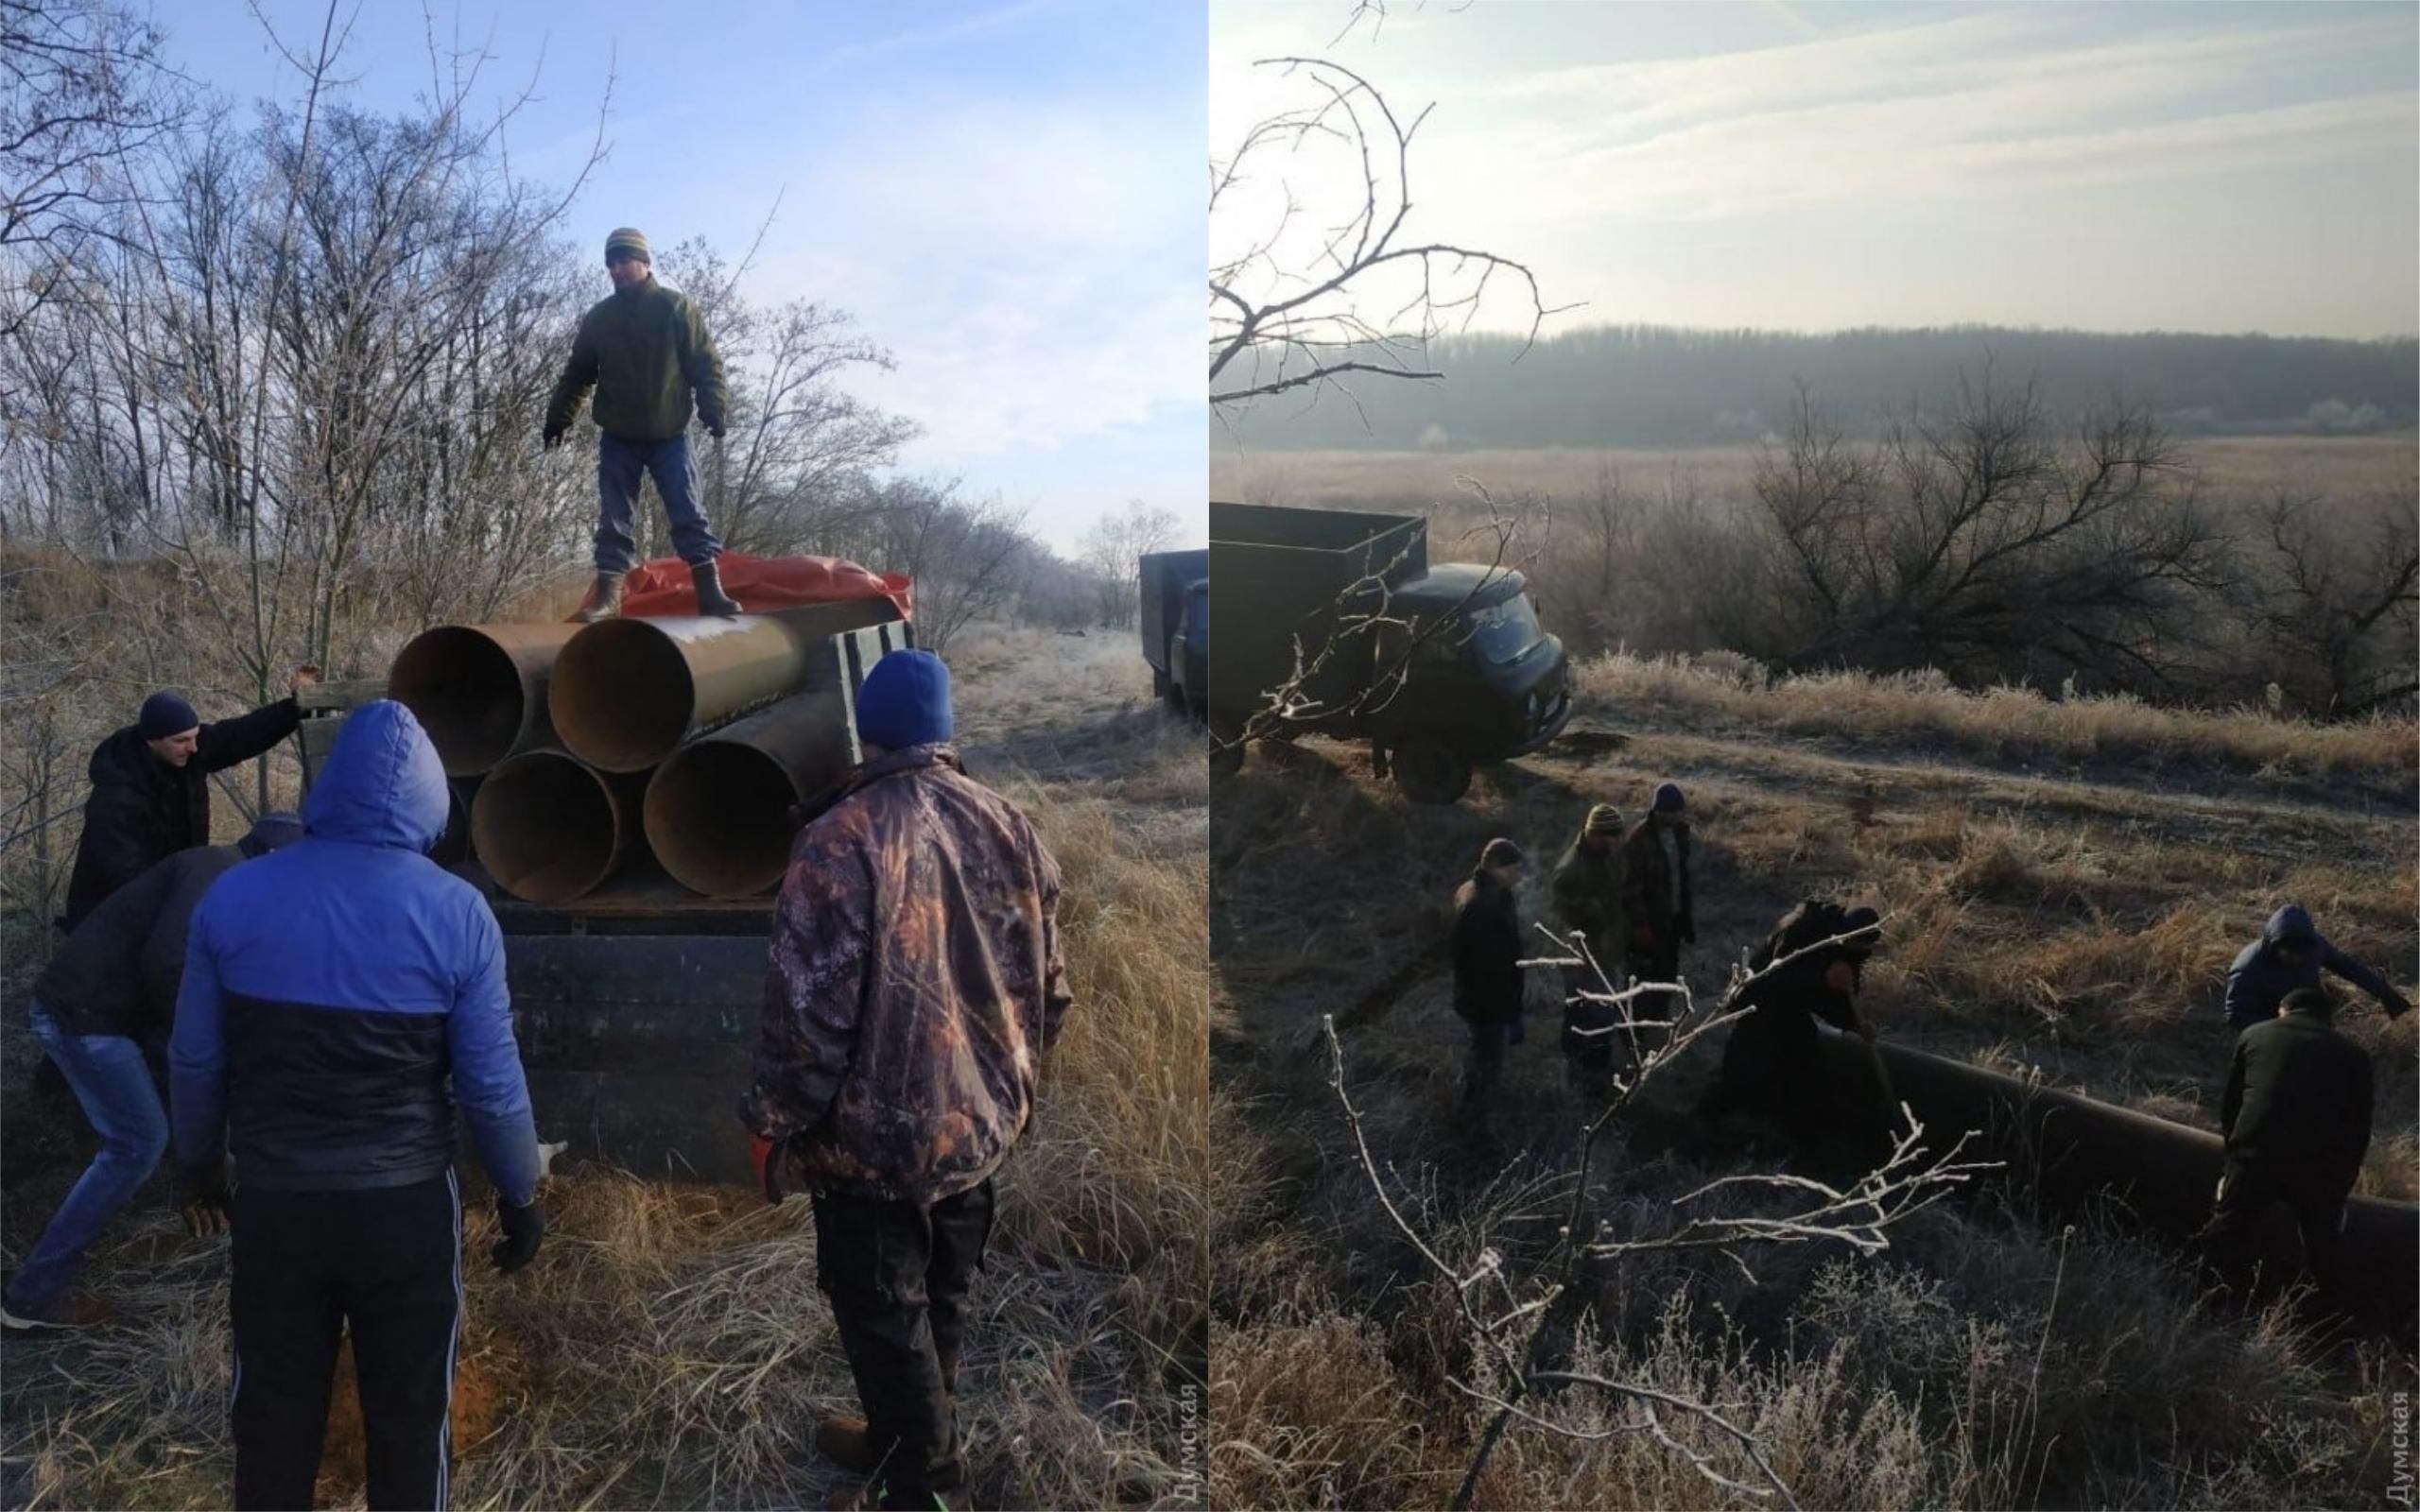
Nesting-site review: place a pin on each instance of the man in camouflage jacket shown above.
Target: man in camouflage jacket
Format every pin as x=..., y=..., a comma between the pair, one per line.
x=914, y=988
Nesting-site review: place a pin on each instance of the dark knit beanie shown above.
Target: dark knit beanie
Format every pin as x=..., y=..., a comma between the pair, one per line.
x=905, y=701
x=1603, y=819
x=1500, y=853
x=1669, y=800
x=628, y=241
x=166, y=714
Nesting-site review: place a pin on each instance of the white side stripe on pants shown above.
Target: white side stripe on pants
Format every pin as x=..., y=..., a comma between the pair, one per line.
x=452, y=1343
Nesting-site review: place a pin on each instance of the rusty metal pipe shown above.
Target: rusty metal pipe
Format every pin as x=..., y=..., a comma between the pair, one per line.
x=719, y=811
x=628, y=692
x=453, y=845
x=2070, y=1155
x=550, y=829
x=480, y=690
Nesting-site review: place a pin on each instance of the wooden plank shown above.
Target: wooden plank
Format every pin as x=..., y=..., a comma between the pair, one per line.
x=318, y=737
x=321, y=697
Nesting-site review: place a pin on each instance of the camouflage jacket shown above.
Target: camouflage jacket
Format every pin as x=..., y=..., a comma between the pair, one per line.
x=913, y=984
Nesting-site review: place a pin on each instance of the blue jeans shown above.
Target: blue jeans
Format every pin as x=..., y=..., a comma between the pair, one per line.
x=111, y=1081
x=620, y=465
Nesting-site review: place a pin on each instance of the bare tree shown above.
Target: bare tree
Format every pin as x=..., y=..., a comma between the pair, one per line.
x=799, y=439
x=1982, y=544
x=2341, y=615
x=1306, y=298
x=970, y=559
x=1510, y=1320
x=1114, y=552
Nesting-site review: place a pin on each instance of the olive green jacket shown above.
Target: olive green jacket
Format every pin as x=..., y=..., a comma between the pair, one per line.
x=1587, y=894
x=643, y=350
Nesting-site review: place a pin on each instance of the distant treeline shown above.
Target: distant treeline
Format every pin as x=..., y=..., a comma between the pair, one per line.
x=1662, y=385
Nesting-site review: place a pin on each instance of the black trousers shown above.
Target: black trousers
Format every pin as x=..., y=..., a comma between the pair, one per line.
x=386, y=1265
x=898, y=1274
x=2248, y=1191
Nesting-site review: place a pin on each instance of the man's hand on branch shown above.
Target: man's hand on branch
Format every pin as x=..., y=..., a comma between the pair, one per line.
x=303, y=677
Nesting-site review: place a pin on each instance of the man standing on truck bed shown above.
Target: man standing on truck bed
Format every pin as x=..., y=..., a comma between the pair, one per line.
x=341, y=996
x=111, y=989
x=645, y=349
x=913, y=986
x=151, y=789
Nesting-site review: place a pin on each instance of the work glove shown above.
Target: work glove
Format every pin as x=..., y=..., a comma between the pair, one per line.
x=715, y=428
x=767, y=1154
x=554, y=436
x=523, y=1228
x=201, y=1196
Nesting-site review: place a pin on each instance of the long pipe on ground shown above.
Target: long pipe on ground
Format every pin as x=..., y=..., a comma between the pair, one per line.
x=480, y=691
x=550, y=829
x=2072, y=1154
x=628, y=692
x=718, y=809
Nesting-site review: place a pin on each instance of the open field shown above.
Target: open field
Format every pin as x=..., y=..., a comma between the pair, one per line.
x=2337, y=466
x=2064, y=886
x=669, y=1346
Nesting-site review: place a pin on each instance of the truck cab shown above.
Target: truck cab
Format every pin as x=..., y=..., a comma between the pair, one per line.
x=1484, y=681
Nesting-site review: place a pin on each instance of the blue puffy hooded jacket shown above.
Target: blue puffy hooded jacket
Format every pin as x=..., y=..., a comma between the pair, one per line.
x=331, y=988
x=2261, y=976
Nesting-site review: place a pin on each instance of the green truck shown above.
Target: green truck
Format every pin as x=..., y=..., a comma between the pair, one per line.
x=1336, y=624
x=1176, y=626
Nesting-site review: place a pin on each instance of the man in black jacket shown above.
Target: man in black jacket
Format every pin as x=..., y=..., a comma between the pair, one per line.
x=1487, y=966
x=109, y=990
x=151, y=789
x=2296, y=1119
x=1810, y=968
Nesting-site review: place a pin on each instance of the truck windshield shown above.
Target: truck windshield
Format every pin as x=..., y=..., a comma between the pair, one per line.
x=1502, y=632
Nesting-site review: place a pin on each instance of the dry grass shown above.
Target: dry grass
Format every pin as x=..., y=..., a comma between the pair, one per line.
x=2336, y=466
x=669, y=1346
x=1923, y=713
x=2079, y=926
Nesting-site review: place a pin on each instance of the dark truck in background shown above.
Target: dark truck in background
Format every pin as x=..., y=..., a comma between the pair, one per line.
x=1454, y=673
x=1176, y=626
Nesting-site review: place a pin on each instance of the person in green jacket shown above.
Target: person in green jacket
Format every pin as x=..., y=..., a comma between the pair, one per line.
x=1588, y=902
x=645, y=349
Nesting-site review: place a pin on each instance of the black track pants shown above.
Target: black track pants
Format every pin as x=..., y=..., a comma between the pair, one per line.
x=898, y=1276
x=308, y=1265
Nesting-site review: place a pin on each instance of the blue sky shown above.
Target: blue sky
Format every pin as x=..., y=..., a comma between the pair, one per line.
x=2180, y=167
x=1007, y=195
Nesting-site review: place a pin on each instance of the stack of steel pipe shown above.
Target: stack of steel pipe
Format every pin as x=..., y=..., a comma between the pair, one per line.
x=583, y=752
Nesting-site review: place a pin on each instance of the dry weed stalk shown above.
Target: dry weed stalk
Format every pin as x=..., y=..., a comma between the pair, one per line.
x=1508, y=1318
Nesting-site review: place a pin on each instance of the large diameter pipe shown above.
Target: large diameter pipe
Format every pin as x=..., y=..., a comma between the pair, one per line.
x=2073, y=1156
x=719, y=811
x=550, y=829
x=454, y=846
x=628, y=692
x=480, y=690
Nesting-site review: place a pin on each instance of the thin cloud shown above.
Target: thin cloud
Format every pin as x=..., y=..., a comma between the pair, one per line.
x=926, y=39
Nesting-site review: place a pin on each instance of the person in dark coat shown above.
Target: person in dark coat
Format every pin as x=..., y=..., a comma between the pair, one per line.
x=2289, y=956
x=344, y=1002
x=1770, y=1065
x=2296, y=1119
x=1487, y=966
x=151, y=789
x=1658, y=902
x=110, y=990
x=1587, y=892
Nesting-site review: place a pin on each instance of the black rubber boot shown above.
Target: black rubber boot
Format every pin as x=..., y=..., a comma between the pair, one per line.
x=604, y=600
x=711, y=598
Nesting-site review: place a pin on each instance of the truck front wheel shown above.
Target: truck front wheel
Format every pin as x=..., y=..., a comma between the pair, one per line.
x=1430, y=771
